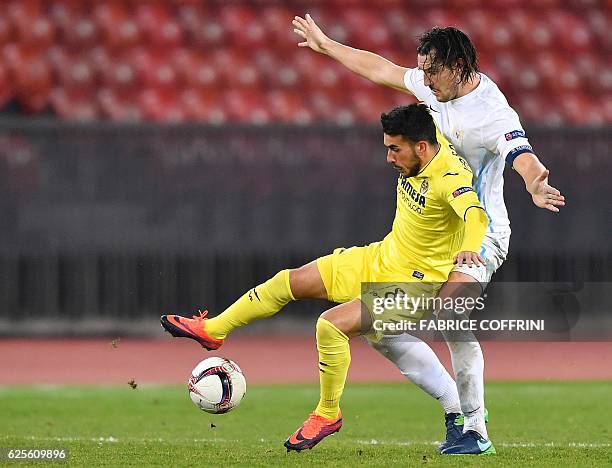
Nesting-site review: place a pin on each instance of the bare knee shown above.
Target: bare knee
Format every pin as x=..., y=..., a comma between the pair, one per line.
x=348, y=318
x=306, y=282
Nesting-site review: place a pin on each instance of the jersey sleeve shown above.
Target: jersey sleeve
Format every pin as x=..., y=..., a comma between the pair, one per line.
x=414, y=82
x=456, y=188
x=504, y=135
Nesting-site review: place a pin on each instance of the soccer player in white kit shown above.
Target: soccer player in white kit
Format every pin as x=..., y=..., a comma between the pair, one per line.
x=474, y=115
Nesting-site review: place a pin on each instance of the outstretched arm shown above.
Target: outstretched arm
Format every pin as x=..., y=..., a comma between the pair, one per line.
x=535, y=176
x=367, y=64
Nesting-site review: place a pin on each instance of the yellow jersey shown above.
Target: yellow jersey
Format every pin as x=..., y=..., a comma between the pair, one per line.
x=429, y=219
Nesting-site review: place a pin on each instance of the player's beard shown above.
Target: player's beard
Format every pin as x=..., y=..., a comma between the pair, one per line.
x=414, y=170
x=453, y=92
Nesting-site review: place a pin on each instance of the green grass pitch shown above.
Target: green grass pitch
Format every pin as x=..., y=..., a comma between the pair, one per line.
x=532, y=424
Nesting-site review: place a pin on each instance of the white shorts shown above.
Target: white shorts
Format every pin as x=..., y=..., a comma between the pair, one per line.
x=494, y=251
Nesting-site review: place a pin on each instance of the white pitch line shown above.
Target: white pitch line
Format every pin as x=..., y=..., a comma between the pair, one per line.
x=394, y=443
x=408, y=443
x=112, y=439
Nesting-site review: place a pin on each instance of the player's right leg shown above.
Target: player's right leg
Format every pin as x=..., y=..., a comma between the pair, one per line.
x=262, y=301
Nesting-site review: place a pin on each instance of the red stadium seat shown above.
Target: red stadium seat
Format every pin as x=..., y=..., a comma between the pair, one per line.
x=21, y=11
x=80, y=33
x=246, y=106
x=600, y=23
x=316, y=71
x=285, y=75
x=154, y=68
x=64, y=12
x=367, y=29
x=236, y=69
x=203, y=105
x=243, y=26
x=331, y=107
x=578, y=110
x=120, y=106
x=507, y=65
x=558, y=75
x=267, y=61
x=191, y=15
x=100, y=59
x=37, y=31
x=491, y=33
x=161, y=105
x=527, y=79
x=440, y=17
x=400, y=24
x=74, y=104
x=121, y=74
x=590, y=70
x=207, y=32
x=534, y=107
x=288, y=106
x=573, y=34
x=532, y=32
x=76, y=72
x=119, y=29
x=276, y=20
x=195, y=68
x=368, y=105
x=157, y=25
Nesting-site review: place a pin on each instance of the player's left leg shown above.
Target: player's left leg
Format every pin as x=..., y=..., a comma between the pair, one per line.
x=334, y=329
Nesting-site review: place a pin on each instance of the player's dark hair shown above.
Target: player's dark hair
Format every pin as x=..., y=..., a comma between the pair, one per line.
x=450, y=48
x=413, y=122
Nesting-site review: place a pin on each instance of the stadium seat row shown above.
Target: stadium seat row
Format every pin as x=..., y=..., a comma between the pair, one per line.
x=193, y=60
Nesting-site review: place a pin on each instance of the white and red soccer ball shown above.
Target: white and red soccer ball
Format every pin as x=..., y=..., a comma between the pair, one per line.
x=216, y=385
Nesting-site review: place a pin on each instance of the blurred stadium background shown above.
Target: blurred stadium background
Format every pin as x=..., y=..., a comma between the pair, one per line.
x=162, y=156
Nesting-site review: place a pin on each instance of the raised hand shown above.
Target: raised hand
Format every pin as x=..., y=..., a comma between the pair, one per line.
x=308, y=30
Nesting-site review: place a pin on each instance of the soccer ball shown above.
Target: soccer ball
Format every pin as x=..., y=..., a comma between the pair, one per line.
x=216, y=385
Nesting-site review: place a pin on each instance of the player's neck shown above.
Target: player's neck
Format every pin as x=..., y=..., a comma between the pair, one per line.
x=469, y=86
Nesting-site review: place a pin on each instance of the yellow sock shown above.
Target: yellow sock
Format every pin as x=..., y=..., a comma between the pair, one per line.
x=261, y=301
x=334, y=361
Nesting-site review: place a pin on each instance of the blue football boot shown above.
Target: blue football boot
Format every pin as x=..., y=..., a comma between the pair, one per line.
x=454, y=428
x=470, y=443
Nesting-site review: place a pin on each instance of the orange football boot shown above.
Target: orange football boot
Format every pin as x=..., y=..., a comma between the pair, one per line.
x=193, y=328
x=313, y=431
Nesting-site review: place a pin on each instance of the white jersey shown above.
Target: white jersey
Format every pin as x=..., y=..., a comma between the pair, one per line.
x=486, y=131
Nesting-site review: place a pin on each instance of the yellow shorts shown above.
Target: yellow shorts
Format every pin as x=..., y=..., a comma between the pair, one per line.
x=355, y=273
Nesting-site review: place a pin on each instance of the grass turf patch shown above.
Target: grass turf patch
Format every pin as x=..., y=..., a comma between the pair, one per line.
x=536, y=424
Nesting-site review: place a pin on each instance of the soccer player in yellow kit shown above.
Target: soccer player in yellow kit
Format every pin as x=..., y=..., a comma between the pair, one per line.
x=438, y=222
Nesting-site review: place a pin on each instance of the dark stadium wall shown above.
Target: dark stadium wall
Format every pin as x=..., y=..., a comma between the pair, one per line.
x=106, y=221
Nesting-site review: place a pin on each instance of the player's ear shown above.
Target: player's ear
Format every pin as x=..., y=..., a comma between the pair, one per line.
x=421, y=148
